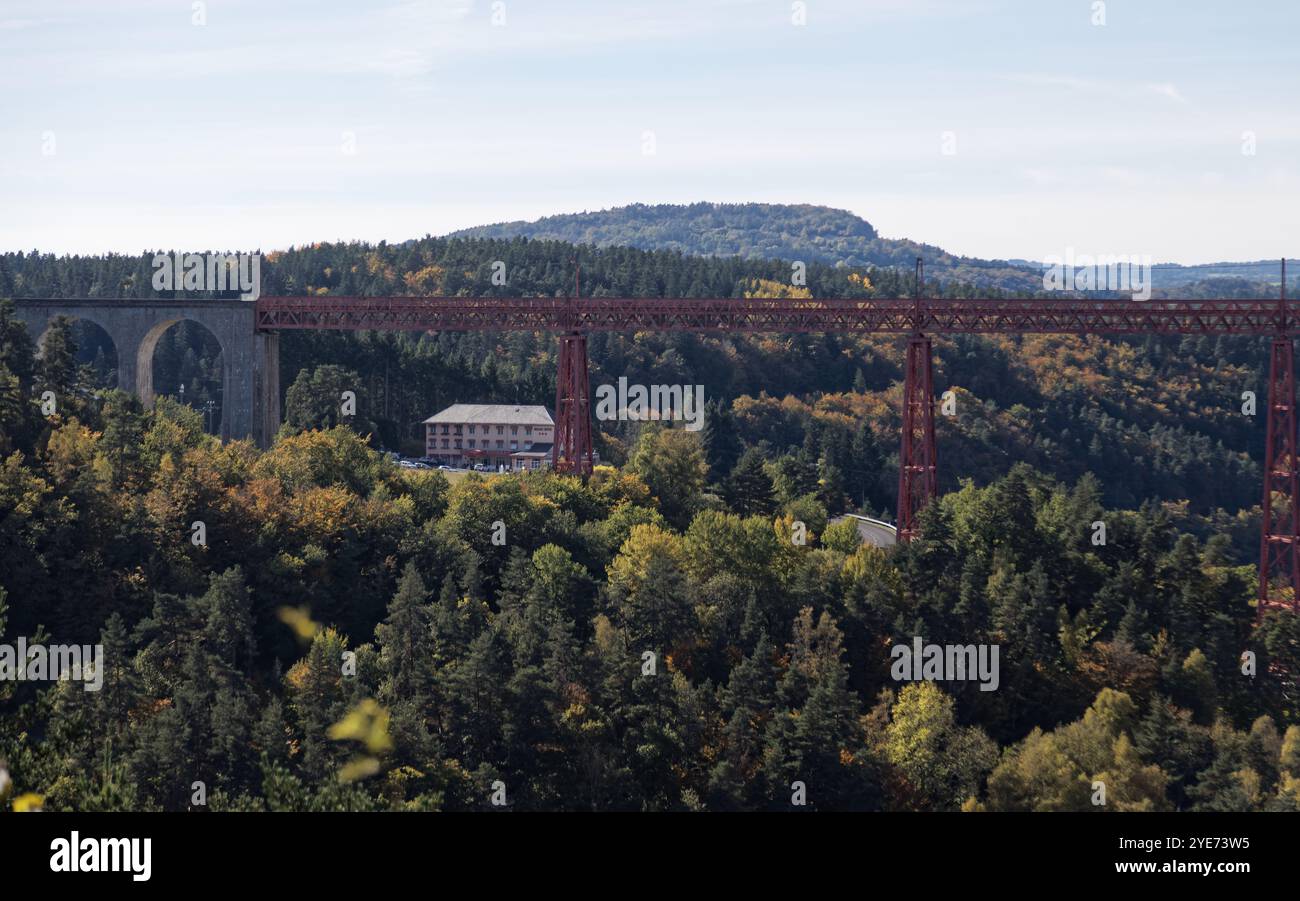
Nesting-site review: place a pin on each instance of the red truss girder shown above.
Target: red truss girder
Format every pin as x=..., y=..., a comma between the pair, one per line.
x=1113, y=317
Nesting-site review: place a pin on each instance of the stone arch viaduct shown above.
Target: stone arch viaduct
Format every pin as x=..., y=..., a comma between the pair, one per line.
x=250, y=359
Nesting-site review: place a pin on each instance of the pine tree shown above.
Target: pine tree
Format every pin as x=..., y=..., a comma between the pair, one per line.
x=228, y=626
x=230, y=749
x=862, y=474
x=749, y=697
x=476, y=687
x=1167, y=737
x=59, y=362
x=405, y=640
x=117, y=696
x=722, y=445
x=271, y=734
x=657, y=611
x=1228, y=783
x=123, y=437
x=319, y=700
x=749, y=489
x=161, y=763
x=1133, y=628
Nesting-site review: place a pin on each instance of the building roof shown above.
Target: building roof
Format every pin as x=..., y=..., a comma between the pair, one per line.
x=493, y=414
x=537, y=450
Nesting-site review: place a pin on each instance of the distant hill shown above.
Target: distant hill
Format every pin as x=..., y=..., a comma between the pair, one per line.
x=827, y=235
x=1267, y=272
x=761, y=231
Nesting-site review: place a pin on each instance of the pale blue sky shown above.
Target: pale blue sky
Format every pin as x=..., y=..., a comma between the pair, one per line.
x=1122, y=138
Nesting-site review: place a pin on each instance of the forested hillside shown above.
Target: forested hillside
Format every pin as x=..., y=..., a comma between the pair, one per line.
x=1153, y=419
x=760, y=231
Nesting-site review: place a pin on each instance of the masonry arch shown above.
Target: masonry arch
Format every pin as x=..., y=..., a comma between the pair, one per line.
x=96, y=347
x=181, y=357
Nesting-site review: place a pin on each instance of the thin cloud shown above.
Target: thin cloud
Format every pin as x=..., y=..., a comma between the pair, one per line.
x=1100, y=87
x=1166, y=89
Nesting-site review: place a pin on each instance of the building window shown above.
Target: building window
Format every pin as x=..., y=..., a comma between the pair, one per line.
x=514, y=430
x=528, y=430
x=501, y=430
x=514, y=445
